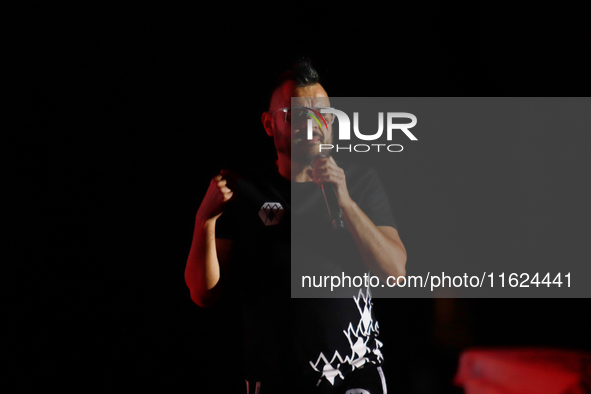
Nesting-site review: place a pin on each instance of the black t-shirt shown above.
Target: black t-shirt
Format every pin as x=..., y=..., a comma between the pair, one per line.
x=280, y=226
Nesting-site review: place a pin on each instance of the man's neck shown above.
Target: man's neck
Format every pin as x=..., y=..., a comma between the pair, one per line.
x=293, y=170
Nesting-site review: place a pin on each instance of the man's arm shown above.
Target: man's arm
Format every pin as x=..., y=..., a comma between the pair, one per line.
x=208, y=256
x=379, y=246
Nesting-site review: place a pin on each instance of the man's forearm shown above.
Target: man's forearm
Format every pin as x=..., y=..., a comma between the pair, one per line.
x=202, y=273
x=383, y=255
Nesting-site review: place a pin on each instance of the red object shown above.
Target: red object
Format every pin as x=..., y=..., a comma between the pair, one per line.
x=524, y=371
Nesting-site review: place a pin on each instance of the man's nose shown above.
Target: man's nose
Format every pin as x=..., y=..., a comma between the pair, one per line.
x=316, y=129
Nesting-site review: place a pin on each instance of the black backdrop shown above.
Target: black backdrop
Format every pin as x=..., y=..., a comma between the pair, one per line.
x=136, y=114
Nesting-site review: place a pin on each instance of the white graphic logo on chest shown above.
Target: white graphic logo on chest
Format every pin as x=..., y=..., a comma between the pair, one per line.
x=271, y=213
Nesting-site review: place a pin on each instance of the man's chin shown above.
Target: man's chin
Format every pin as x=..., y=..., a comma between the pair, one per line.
x=305, y=154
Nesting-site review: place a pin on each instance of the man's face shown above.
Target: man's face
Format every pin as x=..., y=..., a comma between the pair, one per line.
x=291, y=136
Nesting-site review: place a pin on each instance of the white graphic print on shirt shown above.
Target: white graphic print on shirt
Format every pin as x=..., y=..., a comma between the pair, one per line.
x=358, y=340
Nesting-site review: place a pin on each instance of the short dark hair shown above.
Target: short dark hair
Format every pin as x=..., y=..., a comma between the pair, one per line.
x=302, y=73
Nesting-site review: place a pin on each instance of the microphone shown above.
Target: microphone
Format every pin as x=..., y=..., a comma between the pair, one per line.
x=330, y=198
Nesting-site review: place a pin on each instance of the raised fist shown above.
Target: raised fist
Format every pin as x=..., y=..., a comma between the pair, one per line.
x=218, y=194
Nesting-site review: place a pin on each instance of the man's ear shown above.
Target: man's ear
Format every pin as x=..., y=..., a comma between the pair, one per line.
x=267, y=120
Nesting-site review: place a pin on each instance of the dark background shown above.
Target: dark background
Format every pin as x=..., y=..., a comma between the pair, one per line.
x=130, y=111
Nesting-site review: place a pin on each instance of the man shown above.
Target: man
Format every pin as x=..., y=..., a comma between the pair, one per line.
x=254, y=232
